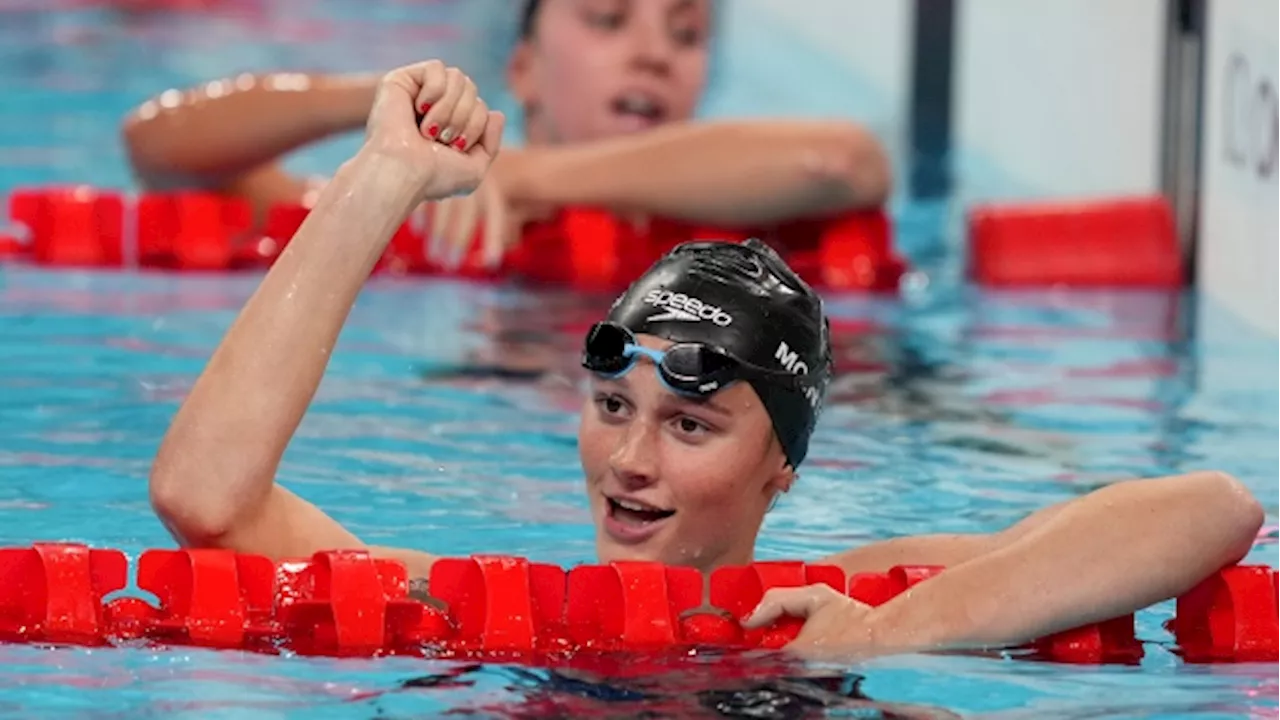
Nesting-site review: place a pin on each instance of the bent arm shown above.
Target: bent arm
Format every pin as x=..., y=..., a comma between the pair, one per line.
x=212, y=483
x=946, y=550
x=1112, y=552
x=728, y=173
x=228, y=134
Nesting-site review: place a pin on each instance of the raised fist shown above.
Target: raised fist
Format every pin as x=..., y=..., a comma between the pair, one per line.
x=431, y=118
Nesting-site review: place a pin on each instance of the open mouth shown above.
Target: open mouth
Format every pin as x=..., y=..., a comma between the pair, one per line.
x=640, y=106
x=636, y=513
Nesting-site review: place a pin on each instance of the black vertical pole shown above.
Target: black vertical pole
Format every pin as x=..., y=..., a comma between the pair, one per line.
x=933, y=45
x=1183, y=119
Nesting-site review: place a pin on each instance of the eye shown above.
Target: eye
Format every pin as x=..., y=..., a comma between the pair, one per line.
x=611, y=406
x=691, y=426
x=606, y=20
x=688, y=25
x=687, y=36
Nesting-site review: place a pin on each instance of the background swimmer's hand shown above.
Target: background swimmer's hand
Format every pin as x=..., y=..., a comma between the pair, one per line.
x=450, y=148
x=836, y=627
x=454, y=223
x=491, y=210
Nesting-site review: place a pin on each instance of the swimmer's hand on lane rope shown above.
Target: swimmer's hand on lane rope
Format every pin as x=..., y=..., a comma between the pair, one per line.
x=467, y=135
x=836, y=627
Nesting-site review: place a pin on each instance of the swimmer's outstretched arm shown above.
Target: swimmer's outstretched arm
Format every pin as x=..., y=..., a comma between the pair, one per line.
x=739, y=173
x=228, y=135
x=1114, y=551
x=212, y=483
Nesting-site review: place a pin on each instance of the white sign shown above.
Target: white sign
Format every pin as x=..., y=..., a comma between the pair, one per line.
x=1058, y=98
x=1239, y=233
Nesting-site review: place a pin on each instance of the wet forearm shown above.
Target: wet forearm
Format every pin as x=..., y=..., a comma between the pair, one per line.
x=738, y=173
x=1107, y=554
x=220, y=455
x=219, y=130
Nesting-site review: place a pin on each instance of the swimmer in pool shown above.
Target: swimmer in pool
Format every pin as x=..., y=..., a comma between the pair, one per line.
x=608, y=91
x=708, y=376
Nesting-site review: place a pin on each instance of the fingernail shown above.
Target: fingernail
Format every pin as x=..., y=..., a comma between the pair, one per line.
x=433, y=131
x=460, y=143
x=424, y=108
x=446, y=136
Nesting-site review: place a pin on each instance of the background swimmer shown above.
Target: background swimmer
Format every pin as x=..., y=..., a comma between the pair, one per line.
x=609, y=89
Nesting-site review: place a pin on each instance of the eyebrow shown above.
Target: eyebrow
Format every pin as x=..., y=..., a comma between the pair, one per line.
x=707, y=402
x=701, y=11
x=616, y=381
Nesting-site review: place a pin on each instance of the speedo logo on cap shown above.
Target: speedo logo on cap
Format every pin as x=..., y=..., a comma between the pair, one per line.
x=685, y=308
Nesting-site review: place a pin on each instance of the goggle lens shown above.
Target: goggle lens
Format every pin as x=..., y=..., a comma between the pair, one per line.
x=687, y=368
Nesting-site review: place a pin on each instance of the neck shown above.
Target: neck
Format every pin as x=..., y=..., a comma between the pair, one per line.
x=743, y=556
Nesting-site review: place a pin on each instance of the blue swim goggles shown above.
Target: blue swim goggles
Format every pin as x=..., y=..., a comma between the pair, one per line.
x=686, y=368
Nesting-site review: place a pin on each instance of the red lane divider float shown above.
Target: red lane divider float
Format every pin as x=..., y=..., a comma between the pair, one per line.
x=1125, y=243
x=1230, y=617
x=346, y=603
x=53, y=593
x=580, y=247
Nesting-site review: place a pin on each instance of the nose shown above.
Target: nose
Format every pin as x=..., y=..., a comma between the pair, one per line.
x=651, y=46
x=635, y=460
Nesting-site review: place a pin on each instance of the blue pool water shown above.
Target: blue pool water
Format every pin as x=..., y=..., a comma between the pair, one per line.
x=955, y=411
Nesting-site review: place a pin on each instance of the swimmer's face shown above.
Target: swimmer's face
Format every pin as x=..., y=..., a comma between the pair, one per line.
x=704, y=473
x=601, y=68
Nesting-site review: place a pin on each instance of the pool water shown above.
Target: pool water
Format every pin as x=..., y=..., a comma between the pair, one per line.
x=447, y=420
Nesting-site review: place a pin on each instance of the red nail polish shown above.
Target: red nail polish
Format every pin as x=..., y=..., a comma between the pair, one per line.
x=433, y=131
x=460, y=143
x=425, y=107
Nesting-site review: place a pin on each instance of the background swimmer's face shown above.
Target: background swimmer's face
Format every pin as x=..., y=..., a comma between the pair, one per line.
x=600, y=68
x=674, y=480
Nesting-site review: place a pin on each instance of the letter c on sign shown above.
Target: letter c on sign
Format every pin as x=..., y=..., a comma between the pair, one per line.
x=1250, y=118
x=1267, y=103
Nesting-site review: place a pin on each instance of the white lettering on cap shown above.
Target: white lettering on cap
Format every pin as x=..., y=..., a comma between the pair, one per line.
x=790, y=359
x=685, y=308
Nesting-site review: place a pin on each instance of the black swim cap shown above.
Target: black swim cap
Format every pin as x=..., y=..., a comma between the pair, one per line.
x=745, y=301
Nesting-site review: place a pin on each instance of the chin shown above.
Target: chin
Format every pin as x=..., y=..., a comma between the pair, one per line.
x=607, y=552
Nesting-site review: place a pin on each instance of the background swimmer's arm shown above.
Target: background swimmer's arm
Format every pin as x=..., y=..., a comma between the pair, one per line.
x=212, y=483
x=228, y=134
x=1112, y=552
x=728, y=173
